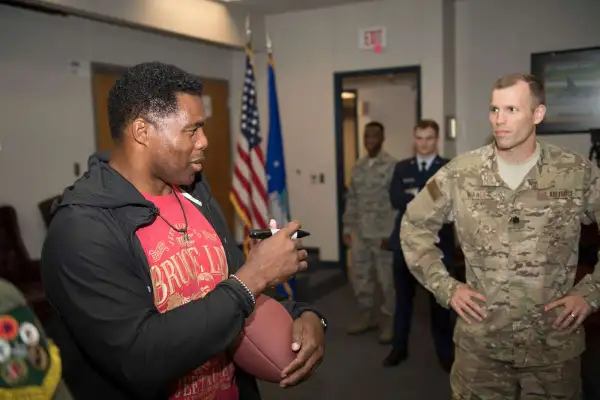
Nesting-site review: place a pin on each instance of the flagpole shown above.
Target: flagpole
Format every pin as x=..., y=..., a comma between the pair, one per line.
x=246, y=220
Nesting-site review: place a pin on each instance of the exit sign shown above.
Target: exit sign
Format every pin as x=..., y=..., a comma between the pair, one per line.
x=372, y=38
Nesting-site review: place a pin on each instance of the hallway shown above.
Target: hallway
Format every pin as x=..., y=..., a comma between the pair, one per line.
x=352, y=367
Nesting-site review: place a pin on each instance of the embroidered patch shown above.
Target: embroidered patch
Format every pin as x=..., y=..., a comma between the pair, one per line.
x=13, y=372
x=434, y=190
x=9, y=327
x=5, y=351
x=38, y=358
x=479, y=195
x=556, y=194
x=29, y=334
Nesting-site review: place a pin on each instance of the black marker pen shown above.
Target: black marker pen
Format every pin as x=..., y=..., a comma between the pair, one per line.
x=267, y=233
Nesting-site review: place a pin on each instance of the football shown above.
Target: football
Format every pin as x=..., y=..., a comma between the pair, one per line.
x=264, y=347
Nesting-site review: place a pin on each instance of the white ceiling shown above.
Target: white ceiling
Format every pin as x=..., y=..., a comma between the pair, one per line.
x=281, y=6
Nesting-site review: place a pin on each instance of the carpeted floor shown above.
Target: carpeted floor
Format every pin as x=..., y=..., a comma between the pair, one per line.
x=352, y=367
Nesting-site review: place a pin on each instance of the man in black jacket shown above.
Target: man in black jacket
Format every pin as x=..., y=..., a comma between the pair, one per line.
x=410, y=176
x=138, y=262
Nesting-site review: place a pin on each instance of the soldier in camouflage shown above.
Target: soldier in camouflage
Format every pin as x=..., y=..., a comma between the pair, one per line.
x=517, y=205
x=30, y=364
x=367, y=221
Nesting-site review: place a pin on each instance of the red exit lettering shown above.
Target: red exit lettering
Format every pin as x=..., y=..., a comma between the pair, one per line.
x=373, y=38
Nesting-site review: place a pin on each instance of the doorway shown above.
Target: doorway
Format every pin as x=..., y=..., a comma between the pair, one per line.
x=217, y=165
x=391, y=96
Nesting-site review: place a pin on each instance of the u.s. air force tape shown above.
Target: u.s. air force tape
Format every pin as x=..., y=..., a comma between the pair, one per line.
x=30, y=365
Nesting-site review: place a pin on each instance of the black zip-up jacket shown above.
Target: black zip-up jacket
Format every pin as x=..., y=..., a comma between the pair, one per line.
x=97, y=278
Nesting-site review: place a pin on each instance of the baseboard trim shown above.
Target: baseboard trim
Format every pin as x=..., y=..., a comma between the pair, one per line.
x=313, y=251
x=324, y=288
x=329, y=264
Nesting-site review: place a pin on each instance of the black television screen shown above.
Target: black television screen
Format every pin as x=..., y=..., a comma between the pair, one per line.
x=572, y=82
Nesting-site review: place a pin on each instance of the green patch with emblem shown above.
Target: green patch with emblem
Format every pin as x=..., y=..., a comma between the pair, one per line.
x=25, y=358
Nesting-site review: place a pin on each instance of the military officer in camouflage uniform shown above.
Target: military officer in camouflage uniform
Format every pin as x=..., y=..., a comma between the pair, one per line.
x=517, y=205
x=30, y=364
x=368, y=220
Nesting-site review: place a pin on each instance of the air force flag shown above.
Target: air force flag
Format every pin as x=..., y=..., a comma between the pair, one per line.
x=276, y=182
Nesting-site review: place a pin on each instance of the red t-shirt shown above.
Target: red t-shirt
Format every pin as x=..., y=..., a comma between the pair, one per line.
x=183, y=271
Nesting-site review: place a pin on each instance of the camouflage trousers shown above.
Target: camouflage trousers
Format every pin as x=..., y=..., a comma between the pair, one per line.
x=476, y=377
x=367, y=256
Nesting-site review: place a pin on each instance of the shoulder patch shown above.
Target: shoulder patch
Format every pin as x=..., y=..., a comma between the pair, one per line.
x=434, y=190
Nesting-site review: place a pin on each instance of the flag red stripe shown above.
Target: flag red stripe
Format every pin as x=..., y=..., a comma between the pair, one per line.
x=249, y=192
x=262, y=193
x=261, y=185
x=241, y=179
x=260, y=222
x=244, y=156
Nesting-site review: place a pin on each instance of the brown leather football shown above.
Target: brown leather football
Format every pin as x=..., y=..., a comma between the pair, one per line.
x=264, y=347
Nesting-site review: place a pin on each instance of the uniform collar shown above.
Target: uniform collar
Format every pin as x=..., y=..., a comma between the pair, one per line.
x=427, y=160
x=540, y=177
x=379, y=157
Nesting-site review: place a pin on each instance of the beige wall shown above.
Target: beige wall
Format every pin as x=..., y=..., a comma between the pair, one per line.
x=210, y=21
x=47, y=112
x=311, y=46
x=48, y=116
x=498, y=37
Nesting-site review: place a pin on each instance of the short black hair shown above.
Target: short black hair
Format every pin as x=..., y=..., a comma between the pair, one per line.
x=376, y=124
x=147, y=89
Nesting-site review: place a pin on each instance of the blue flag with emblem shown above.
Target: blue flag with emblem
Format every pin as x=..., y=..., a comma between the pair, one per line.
x=276, y=182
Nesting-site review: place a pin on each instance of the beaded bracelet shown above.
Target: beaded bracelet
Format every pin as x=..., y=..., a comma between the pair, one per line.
x=245, y=287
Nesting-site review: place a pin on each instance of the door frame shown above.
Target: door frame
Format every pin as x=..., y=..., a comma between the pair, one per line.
x=101, y=68
x=356, y=130
x=338, y=80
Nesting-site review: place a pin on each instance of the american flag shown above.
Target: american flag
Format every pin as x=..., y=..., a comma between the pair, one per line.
x=249, y=190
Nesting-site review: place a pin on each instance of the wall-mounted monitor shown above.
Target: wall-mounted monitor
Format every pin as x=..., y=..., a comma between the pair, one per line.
x=572, y=81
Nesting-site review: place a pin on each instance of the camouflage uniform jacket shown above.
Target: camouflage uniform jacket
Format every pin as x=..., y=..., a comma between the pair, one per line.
x=521, y=249
x=369, y=212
